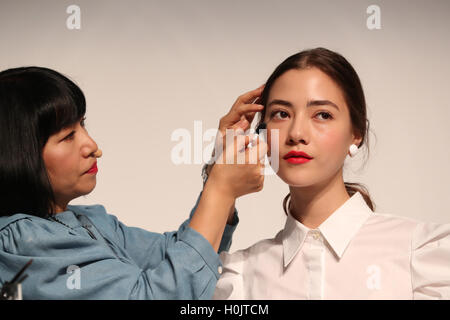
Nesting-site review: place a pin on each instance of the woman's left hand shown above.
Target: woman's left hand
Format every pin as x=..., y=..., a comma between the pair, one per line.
x=242, y=112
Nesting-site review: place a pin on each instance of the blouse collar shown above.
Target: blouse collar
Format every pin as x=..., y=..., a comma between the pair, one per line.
x=338, y=229
x=68, y=218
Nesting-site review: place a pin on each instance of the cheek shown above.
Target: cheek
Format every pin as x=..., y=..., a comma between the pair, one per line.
x=275, y=134
x=60, y=165
x=332, y=143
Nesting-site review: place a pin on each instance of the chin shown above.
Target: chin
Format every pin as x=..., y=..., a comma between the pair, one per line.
x=294, y=181
x=88, y=189
x=296, y=177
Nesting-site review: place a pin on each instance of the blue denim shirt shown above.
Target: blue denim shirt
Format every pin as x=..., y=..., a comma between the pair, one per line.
x=97, y=257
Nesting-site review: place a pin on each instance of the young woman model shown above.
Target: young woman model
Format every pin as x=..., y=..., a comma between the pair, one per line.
x=333, y=245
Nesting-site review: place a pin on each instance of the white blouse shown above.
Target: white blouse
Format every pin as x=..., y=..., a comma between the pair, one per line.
x=354, y=254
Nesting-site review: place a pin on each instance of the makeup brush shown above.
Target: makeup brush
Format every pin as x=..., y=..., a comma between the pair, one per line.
x=262, y=126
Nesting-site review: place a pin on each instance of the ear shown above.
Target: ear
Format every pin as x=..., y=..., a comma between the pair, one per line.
x=357, y=139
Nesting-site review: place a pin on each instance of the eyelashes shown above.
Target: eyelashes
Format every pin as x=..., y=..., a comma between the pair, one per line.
x=273, y=113
x=70, y=136
x=329, y=116
x=281, y=112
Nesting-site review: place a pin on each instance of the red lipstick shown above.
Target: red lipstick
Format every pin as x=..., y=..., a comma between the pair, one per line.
x=93, y=169
x=297, y=157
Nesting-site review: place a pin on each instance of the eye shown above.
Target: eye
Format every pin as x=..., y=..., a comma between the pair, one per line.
x=326, y=114
x=282, y=114
x=70, y=136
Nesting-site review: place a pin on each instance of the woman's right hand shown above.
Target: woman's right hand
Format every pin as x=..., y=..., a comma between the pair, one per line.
x=238, y=170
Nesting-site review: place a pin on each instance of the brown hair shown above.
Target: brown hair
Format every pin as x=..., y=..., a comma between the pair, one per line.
x=341, y=71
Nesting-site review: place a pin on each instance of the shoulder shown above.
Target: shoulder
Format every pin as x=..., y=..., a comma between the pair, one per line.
x=420, y=234
x=21, y=221
x=382, y=217
x=7, y=221
x=429, y=262
x=432, y=234
x=388, y=223
x=236, y=267
x=22, y=233
x=417, y=228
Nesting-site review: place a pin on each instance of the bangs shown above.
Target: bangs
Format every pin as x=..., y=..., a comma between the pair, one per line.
x=63, y=104
x=63, y=109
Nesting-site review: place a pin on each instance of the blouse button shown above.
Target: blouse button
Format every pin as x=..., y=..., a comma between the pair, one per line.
x=219, y=269
x=316, y=235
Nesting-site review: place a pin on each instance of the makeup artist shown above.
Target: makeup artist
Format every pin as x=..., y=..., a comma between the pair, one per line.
x=47, y=159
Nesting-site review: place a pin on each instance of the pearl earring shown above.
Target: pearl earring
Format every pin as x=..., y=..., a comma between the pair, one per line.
x=353, y=150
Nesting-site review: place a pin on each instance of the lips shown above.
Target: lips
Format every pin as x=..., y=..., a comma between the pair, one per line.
x=93, y=169
x=297, y=157
x=297, y=154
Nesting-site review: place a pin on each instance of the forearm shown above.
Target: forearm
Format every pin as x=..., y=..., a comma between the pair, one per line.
x=214, y=210
x=233, y=207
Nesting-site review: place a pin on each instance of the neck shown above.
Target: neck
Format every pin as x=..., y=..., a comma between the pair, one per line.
x=60, y=207
x=312, y=205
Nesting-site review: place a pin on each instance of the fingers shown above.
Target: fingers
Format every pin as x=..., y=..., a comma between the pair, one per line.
x=260, y=184
x=253, y=94
x=262, y=150
x=247, y=99
x=258, y=152
x=257, y=101
x=232, y=149
x=241, y=142
x=250, y=96
x=238, y=149
x=239, y=117
x=250, y=116
x=246, y=153
x=243, y=111
x=241, y=124
x=246, y=109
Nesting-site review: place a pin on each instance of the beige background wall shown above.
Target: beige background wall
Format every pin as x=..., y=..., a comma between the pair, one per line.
x=150, y=67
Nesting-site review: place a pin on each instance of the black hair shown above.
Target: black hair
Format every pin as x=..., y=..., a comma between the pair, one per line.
x=35, y=103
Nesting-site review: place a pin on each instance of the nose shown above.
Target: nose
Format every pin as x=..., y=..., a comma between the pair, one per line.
x=98, y=153
x=297, y=131
x=90, y=148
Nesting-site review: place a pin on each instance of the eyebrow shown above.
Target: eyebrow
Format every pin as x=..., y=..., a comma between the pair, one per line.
x=311, y=103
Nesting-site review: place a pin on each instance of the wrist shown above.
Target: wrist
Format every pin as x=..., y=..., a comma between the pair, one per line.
x=219, y=188
x=206, y=169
